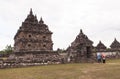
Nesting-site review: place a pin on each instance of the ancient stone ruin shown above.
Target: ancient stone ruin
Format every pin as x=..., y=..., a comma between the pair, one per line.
x=33, y=35
x=80, y=49
x=34, y=46
x=115, y=46
x=100, y=47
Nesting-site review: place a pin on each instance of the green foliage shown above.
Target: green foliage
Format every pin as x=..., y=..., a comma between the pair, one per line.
x=2, y=52
x=61, y=50
x=8, y=49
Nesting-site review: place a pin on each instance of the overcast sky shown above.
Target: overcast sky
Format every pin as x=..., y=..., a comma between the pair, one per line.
x=99, y=19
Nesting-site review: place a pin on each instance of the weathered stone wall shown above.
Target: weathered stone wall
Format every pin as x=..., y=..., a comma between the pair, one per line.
x=33, y=42
x=31, y=59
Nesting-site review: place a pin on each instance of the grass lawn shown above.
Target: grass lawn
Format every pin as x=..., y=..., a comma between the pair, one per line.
x=110, y=70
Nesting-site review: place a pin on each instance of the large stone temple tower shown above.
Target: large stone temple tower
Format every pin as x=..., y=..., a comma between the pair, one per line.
x=33, y=35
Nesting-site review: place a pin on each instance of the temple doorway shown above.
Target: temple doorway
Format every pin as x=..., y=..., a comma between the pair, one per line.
x=88, y=52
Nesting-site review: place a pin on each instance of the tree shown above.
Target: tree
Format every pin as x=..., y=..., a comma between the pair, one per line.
x=61, y=50
x=8, y=49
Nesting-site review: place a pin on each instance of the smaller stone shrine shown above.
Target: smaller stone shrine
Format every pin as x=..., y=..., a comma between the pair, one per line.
x=80, y=49
x=100, y=47
x=115, y=46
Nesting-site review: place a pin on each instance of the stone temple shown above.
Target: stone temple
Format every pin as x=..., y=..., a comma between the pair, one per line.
x=34, y=46
x=80, y=49
x=115, y=46
x=100, y=47
x=33, y=35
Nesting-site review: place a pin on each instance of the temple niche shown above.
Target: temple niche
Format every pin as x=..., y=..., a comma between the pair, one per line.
x=115, y=46
x=33, y=35
x=100, y=47
x=80, y=49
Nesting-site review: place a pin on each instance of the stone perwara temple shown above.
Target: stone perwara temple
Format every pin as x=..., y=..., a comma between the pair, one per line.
x=115, y=46
x=80, y=49
x=33, y=35
x=100, y=47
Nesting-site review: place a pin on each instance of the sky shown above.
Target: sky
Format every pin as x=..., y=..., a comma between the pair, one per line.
x=99, y=19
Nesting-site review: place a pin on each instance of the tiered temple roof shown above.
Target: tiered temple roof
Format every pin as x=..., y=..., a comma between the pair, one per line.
x=100, y=46
x=115, y=45
x=31, y=24
x=81, y=39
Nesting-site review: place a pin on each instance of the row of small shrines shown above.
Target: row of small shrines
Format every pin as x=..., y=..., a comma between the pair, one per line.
x=115, y=46
x=33, y=46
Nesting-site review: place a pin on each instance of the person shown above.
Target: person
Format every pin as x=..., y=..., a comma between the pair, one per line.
x=103, y=58
x=99, y=57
